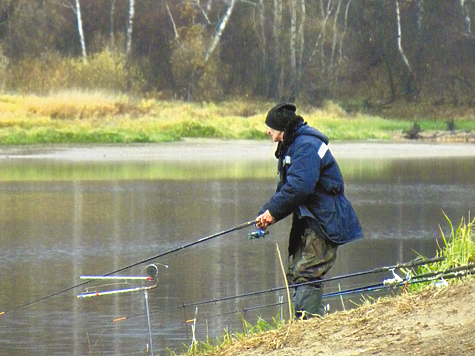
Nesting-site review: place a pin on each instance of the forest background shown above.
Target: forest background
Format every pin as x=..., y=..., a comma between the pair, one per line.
x=393, y=58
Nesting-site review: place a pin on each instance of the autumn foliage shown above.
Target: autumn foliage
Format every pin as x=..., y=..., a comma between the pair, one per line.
x=370, y=52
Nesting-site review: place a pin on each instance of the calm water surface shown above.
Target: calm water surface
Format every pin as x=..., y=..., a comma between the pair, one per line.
x=60, y=220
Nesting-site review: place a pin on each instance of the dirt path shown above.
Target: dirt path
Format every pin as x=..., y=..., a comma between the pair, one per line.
x=435, y=322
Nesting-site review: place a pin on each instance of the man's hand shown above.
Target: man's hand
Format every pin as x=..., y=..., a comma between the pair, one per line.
x=264, y=220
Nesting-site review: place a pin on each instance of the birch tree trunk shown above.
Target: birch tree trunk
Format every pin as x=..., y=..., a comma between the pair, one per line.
x=466, y=17
x=262, y=27
x=277, y=70
x=419, y=44
x=334, y=43
x=130, y=27
x=112, y=13
x=419, y=9
x=221, y=28
x=208, y=6
x=409, y=80
x=293, y=49
x=419, y=20
x=342, y=37
x=325, y=16
x=399, y=38
x=301, y=43
x=383, y=37
x=177, y=37
x=81, y=31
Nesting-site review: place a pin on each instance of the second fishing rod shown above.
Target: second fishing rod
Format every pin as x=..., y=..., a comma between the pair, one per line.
x=409, y=264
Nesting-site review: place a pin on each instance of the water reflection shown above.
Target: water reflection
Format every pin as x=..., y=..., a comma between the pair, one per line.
x=62, y=220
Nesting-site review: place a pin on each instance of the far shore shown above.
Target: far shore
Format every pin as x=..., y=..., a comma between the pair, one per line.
x=219, y=150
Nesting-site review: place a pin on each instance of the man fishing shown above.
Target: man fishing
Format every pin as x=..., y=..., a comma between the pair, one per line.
x=311, y=189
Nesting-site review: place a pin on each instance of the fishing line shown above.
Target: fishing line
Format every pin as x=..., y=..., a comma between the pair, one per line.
x=173, y=250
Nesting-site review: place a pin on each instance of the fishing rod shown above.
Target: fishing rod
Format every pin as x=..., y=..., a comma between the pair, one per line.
x=454, y=272
x=449, y=273
x=413, y=263
x=179, y=248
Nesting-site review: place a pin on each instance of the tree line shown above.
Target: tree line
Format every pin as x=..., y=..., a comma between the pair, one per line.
x=378, y=50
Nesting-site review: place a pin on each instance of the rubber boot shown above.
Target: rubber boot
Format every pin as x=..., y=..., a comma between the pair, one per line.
x=307, y=301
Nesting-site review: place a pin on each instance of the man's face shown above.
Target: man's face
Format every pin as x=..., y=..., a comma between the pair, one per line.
x=275, y=135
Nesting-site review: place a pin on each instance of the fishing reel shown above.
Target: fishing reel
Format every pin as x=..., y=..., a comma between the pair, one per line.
x=257, y=234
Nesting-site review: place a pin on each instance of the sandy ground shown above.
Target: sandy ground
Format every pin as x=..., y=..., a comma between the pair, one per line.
x=436, y=322
x=215, y=150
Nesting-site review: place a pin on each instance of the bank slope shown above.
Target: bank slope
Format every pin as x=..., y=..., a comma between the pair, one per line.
x=429, y=323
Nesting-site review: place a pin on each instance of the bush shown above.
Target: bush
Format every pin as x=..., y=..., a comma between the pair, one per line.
x=106, y=70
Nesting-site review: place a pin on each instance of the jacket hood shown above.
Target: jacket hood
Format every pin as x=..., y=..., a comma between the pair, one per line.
x=298, y=129
x=304, y=129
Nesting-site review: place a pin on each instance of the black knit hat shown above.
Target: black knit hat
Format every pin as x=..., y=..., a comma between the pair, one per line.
x=279, y=116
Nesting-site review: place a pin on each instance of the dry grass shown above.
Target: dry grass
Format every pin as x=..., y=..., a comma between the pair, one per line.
x=407, y=324
x=102, y=117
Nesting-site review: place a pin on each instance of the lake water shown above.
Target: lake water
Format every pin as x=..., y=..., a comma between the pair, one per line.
x=64, y=217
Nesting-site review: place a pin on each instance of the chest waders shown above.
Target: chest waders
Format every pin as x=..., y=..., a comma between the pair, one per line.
x=311, y=257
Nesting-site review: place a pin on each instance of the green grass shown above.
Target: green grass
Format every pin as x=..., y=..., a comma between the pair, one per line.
x=101, y=117
x=458, y=249
x=227, y=338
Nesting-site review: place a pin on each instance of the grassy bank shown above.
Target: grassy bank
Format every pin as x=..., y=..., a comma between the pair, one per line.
x=76, y=117
x=458, y=249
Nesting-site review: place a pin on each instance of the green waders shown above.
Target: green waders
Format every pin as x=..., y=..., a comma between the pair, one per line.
x=311, y=258
x=307, y=301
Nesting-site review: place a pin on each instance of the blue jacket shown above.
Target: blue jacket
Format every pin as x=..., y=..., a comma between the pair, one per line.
x=311, y=186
